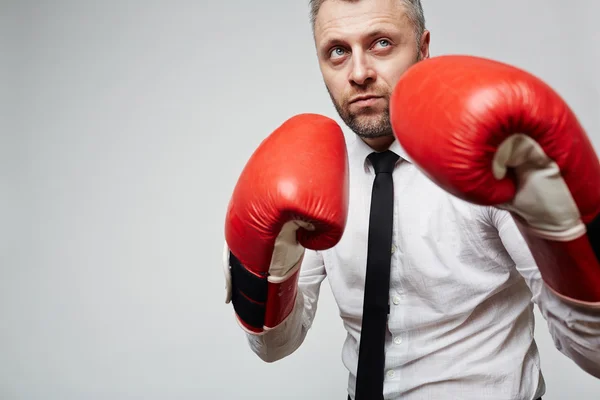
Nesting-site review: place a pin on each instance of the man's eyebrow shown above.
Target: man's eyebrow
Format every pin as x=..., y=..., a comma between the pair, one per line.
x=378, y=32
x=331, y=42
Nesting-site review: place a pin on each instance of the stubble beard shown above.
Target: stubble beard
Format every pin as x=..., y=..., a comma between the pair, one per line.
x=367, y=123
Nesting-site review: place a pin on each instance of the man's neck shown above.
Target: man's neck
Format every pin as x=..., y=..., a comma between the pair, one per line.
x=380, y=143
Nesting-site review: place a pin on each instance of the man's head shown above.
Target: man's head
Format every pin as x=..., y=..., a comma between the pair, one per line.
x=363, y=47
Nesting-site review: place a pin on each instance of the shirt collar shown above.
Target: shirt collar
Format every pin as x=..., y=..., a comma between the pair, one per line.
x=361, y=151
x=398, y=149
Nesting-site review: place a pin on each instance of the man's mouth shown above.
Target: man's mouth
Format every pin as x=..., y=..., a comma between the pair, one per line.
x=365, y=100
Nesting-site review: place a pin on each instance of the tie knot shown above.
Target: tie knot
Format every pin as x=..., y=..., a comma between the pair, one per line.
x=384, y=161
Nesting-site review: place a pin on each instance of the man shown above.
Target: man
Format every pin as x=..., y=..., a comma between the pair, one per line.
x=462, y=282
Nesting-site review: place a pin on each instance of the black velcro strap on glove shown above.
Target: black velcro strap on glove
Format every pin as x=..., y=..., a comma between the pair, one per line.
x=248, y=293
x=593, y=235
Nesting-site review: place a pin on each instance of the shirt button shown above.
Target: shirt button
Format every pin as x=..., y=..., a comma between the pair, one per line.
x=390, y=374
x=396, y=300
x=393, y=248
x=397, y=340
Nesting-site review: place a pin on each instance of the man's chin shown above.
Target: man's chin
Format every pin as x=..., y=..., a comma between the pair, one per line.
x=370, y=121
x=369, y=116
x=370, y=125
x=368, y=134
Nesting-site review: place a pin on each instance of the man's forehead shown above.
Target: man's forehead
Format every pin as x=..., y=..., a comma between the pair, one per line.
x=345, y=16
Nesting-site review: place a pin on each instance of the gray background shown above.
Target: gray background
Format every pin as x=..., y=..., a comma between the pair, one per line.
x=125, y=126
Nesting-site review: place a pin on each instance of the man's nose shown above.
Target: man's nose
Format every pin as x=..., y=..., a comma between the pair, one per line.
x=362, y=71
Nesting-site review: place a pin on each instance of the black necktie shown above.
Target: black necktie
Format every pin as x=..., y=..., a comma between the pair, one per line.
x=371, y=359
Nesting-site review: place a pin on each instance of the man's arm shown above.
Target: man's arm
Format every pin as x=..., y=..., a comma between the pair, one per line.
x=574, y=328
x=287, y=337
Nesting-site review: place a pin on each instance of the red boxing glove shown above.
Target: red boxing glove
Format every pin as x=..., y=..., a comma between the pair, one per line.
x=493, y=134
x=291, y=195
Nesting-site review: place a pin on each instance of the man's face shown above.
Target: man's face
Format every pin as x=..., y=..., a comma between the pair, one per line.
x=363, y=48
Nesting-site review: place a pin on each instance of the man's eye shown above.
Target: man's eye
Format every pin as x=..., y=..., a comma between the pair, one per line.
x=383, y=43
x=337, y=52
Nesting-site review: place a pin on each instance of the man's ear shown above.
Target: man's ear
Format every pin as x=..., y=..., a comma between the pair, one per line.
x=424, y=45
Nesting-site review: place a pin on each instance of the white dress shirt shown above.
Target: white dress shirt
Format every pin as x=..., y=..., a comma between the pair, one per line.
x=462, y=290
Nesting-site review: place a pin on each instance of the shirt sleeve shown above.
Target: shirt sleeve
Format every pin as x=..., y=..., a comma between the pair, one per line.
x=575, y=329
x=286, y=338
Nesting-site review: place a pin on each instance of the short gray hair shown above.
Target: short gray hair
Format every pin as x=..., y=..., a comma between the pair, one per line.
x=414, y=11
